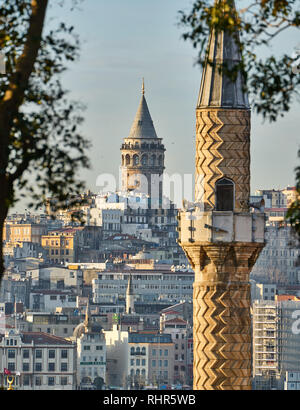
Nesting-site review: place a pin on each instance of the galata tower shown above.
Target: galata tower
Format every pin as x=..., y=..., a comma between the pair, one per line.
x=143, y=155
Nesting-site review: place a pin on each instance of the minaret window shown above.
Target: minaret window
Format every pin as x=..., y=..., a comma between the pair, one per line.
x=160, y=160
x=127, y=159
x=224, y=195
x=153, y=159
x=136, y=160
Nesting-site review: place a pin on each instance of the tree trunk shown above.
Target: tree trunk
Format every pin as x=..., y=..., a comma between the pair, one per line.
x=3, y=215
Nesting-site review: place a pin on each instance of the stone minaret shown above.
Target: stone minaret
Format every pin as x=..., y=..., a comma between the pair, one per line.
x=143, y=155
x=220, y=236
x=129, y=297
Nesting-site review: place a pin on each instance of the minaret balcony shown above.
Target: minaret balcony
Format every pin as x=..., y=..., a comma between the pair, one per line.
x=198, y=226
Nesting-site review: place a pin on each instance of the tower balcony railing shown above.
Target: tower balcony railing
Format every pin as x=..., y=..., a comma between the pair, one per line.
x=220, y=226
x=146, y=147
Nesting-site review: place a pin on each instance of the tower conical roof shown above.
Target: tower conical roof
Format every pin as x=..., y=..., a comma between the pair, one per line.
x=142, y=126
x=217, y=89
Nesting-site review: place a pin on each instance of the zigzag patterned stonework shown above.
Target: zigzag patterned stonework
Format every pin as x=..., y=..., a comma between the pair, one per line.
x=222, y=150
x=222, y=323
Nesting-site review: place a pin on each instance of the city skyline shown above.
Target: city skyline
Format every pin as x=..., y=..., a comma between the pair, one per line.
x=123, y=42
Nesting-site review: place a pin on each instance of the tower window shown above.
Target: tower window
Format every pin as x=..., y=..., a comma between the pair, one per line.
x=136, y=160
x=224, y=195
x=144, y=160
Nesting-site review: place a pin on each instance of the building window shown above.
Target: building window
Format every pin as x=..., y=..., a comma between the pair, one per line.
x=25, y=367
x=51, y=354
x=224, y=195
x=64, y=354
x=144, y=159
x=38, y=381
x=25, y=354
x=26, y=380
x=51, y=367
x=11, y=353
x=11, y=366
x=63, y=367
x=38, y=367
x=136, y=160
x=51, y=381
x=38, y=354
x=99, y=347
x=63, y=381
x=87, y=348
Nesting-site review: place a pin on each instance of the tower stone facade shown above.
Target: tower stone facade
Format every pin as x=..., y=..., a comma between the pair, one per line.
x=220, y=235
x=143, y=155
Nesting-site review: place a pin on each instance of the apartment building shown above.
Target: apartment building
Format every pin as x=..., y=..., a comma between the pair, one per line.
x=178, y=329
x=60, y=245
x=24, y=232
x=49, y=300
x=38, y=361
x=292, y=381
x=278, y=198
x=276, y=342
x=263, y=291
x=52, y=323
x=150, y=359
x=148, y=285
x=279, y=260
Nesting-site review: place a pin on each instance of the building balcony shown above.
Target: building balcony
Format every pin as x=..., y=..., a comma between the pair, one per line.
x=137, y=353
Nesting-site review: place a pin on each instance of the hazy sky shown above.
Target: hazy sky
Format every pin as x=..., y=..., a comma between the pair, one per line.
x=125, y=40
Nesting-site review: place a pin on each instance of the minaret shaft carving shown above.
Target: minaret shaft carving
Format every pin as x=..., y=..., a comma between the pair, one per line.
x=222, y=150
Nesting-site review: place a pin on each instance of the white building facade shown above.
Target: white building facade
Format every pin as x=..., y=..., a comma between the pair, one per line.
x=38, y=361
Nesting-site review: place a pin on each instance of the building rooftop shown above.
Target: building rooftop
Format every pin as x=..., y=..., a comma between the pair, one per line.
x=149, y=338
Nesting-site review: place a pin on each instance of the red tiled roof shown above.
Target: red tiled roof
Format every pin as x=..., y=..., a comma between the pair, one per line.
x=44, y=338
x=287, y=297
x=170, y=312
x=176, y=320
